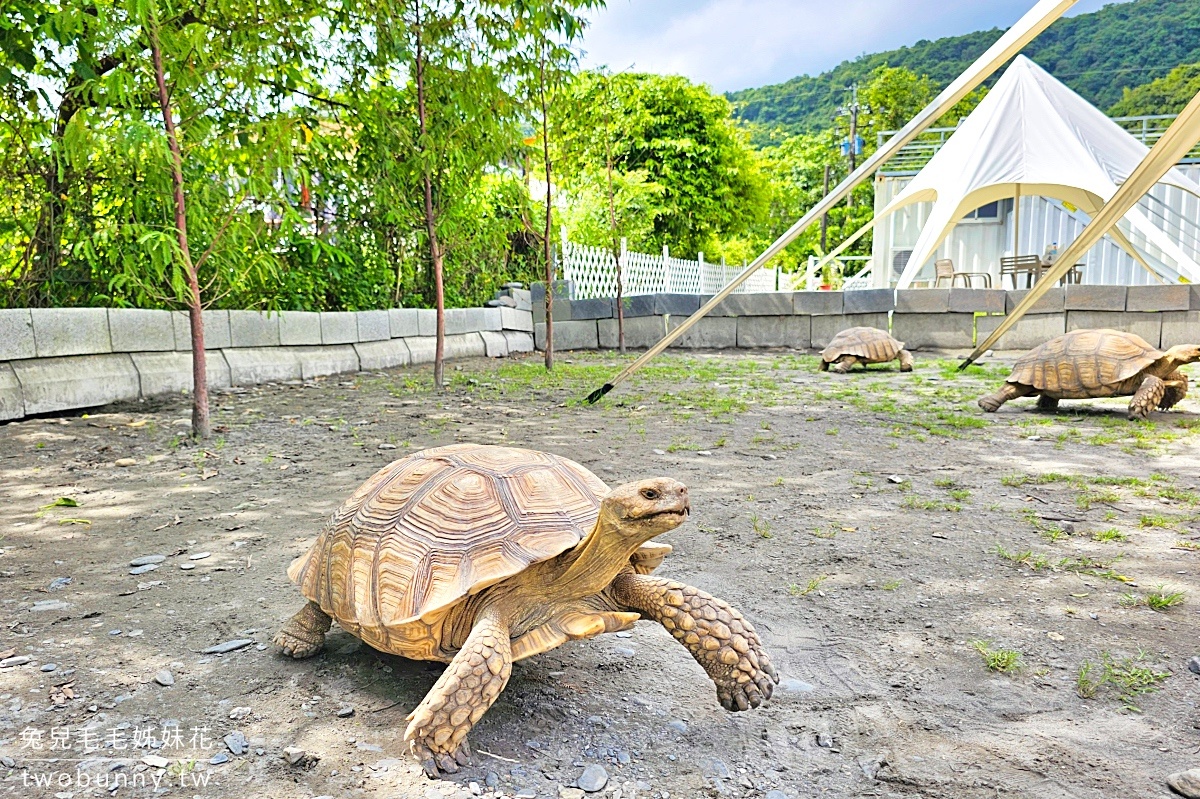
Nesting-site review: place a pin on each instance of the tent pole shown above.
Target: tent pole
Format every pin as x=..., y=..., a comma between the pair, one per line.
x=1017, y=222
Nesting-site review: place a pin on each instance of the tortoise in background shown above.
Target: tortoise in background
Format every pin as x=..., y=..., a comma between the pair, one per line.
x=479, y=556
x=1099, y=363
x=863, y=345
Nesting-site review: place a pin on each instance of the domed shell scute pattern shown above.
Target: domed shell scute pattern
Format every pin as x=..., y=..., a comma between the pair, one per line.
x=1084, y=361
x=869, y=343
x=430, y=529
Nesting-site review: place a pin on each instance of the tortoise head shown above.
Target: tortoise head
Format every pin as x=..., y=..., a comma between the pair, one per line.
x=646, y=508
x=1184, y=353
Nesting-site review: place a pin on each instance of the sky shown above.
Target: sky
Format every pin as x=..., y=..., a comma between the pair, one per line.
x=736, y=44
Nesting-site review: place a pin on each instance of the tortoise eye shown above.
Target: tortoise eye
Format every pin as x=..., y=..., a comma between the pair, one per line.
x=649, y=493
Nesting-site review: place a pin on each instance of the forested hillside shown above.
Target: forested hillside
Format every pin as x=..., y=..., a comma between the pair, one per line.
x=1099, y=55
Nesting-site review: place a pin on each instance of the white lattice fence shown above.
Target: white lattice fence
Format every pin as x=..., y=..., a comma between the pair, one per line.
x=594, y=273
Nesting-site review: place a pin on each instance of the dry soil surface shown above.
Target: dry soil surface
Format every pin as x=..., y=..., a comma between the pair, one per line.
x=888, y=539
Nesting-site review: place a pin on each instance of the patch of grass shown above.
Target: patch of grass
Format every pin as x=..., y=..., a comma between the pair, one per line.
x=1129, y=677
x=833, y=431
x=916, y=502
x=1180, y=495
x=1155, y=520
x=760, y=525
x=1017, y=480
x=944, y=482
x=795, y=589
x=778, y=480
x=1005, y=661
x=961, y=494
x=1192, y=545
x=1027, y=557
x=1163, y=599
x=1110, y=535
x=892, y=585
x=1088, y=498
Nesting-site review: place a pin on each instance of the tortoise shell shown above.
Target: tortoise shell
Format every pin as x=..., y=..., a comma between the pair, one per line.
x=869, y=343
x=431, y=529
x=1085, y=362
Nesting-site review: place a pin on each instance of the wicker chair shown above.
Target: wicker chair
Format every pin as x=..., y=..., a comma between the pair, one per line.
x=944, y=268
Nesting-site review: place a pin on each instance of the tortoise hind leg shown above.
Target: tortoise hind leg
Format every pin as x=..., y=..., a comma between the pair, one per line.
x=719, y=638
x=1009, y=391
x=1148, y=396
x=843, y=364
x=438, y=727
x=906, y=360
x=1047, y=403
x=304, y=634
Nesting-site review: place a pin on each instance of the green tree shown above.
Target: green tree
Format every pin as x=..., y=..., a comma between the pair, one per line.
x=681, y=138
x=1166, y=95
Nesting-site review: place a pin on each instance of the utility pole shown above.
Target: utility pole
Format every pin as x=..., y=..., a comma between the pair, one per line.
x=852, y=146
x=825, y=217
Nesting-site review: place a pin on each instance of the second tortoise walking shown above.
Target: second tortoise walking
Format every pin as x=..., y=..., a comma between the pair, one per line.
x=480, y=556
x=1099, y=363
x=863, y=345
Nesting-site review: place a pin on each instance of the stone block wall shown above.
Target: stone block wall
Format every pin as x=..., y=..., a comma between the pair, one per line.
x=56, y=359
x=925, y=319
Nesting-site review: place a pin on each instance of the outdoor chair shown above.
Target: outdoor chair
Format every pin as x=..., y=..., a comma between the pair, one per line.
x=1027, y=266
x=944, y=267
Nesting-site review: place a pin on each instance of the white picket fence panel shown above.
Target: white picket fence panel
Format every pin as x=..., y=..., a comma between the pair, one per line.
x=593, y=270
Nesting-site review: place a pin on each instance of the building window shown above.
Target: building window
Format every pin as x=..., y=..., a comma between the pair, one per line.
x=986, y=213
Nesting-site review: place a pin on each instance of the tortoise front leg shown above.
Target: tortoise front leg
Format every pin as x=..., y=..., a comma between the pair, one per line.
x=438, y=727
x=1177, y=389
x=1148, y=396
x=304, y=634
x=843, y=364
x=719, y=638
x=1009, y=391
x=906, y=361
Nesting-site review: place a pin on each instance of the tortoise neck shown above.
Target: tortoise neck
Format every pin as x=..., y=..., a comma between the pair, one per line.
x=590, y=567
x=1173, y=359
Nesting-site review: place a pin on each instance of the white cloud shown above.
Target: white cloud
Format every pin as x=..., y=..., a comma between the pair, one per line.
x=732, y=44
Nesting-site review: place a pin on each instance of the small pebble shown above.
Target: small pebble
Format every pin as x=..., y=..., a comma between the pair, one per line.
x=125, y=462
x=776, y=794
x=219, y=758
x=678, y=725
x=114, y=632
x=794, y=686
x=164, y=678
x=146, y=560
x=345, y=712
x=824, y=740
x=492, y=779
x=187, y=567
x=660, y=452
x=228, y=646
x=1193, y=665
x=593, y=778
x=49, y=667
x=199, y=556
x=149, y=567
x=294, y=755
x=156, y=761
x=239, y=713
x=524, y=793
x=15, y=660
x=624, y=650
x=236, y=742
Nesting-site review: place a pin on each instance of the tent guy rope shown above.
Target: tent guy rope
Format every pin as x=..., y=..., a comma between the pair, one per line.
x=1036, y=20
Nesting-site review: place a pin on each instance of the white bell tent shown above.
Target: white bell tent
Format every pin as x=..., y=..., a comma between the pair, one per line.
x=1032, y=136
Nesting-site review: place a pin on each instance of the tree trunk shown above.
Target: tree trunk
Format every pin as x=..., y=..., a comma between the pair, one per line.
x=547, y=242
x=612, y=221
x=201, y=428
x=435, y=250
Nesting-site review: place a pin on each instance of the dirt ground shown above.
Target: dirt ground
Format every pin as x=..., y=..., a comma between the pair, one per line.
x=887, y=538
